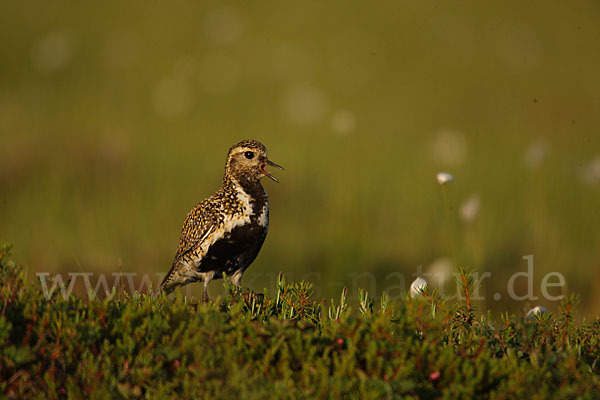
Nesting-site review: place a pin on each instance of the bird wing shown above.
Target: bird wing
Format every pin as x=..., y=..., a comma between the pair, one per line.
x=199, y=224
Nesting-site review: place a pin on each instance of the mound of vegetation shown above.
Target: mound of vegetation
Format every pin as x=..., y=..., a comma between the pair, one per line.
x=284, y=346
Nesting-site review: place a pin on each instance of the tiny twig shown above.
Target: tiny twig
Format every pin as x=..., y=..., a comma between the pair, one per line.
x=466, y=289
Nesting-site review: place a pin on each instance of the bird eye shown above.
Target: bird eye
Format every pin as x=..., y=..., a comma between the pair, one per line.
x=249, y=154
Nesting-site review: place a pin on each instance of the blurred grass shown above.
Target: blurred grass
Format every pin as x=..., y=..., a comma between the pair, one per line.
x=116, y=118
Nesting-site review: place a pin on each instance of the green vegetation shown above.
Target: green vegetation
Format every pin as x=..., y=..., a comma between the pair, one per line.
x=115, y=119
x=288, y=345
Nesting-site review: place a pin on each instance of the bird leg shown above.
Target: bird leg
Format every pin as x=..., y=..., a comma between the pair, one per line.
x=205, y=294
x=236, y=278
x=206, y=277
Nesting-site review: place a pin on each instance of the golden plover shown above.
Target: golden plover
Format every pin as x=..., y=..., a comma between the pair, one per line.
x=224, y=233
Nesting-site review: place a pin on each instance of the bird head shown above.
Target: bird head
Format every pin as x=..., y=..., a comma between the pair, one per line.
x=246, y=161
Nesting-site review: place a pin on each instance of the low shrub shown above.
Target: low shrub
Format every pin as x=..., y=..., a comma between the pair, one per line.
x=288, y=345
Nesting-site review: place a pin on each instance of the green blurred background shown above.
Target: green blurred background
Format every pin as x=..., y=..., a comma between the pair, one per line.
x=115, y=119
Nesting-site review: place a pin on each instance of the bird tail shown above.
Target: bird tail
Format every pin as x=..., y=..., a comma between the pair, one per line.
x=166, y=284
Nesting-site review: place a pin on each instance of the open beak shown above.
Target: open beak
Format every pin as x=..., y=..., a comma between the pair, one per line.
x=267, y=173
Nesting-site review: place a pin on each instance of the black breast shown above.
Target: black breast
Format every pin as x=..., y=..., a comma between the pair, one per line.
x=238, y=248
x=235, y=250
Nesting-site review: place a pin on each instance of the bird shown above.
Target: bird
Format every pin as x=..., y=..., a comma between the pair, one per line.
x=223, y=234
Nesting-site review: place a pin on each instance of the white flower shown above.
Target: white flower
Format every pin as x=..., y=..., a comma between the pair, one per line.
x=535, y=311
x=444, y=177
x=417, y=287
x=441, y=269
x=449, y=147
x=343, y=122
x=53, y=51
x=470, y=208
x=590, y=173
x=305, y=105
x=224, y=26
x=535, y=154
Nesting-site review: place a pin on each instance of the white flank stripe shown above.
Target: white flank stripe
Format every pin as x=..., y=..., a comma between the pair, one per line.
x=263, y=219
x=232, y=221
